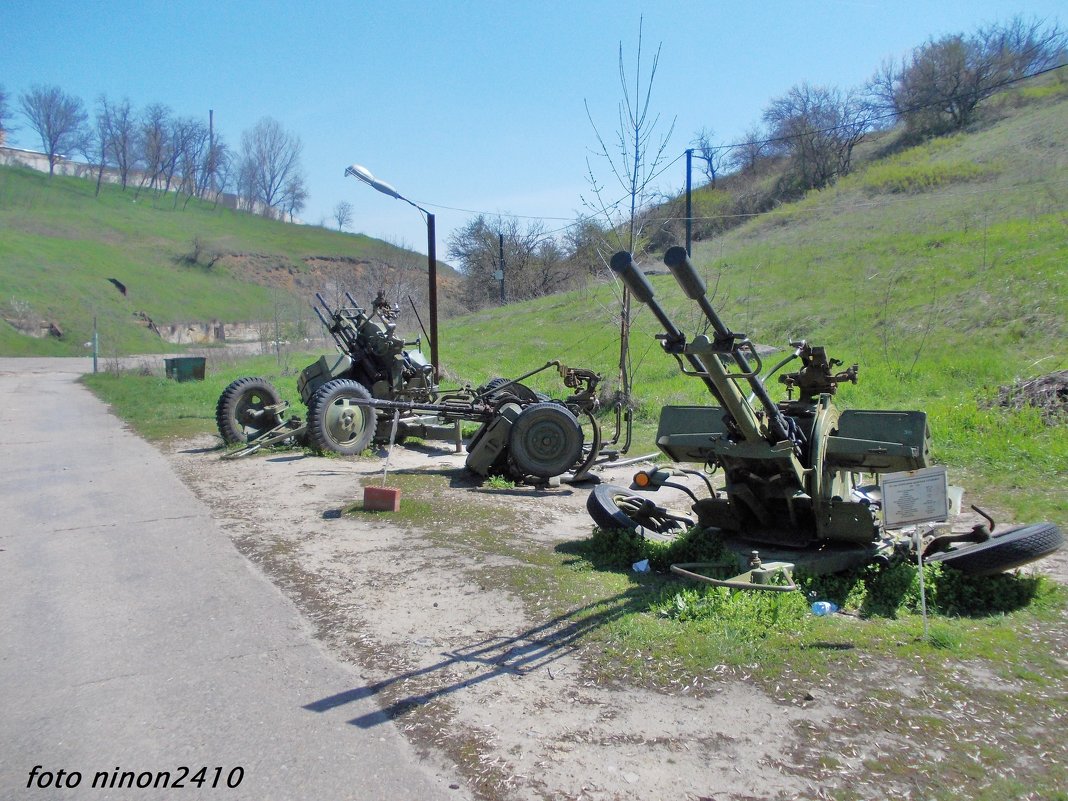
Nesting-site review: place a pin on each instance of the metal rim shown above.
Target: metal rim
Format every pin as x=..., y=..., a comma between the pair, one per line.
x=545, y=440
x=345, y=420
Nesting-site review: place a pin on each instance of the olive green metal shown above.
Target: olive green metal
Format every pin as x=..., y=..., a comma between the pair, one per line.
x=353, y=395
x=790, y=468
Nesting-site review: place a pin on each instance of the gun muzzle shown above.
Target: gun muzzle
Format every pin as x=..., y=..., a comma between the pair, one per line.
x=639, y=286
x=677, y=260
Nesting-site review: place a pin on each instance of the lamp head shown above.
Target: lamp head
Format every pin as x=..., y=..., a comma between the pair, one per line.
x=365, y=175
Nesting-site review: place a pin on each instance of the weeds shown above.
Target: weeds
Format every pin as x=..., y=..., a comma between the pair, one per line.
x=891, y=590
x=500, y=483
x=754, y=614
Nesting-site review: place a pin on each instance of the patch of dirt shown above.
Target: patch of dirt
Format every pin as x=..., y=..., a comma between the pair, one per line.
x=479, y=678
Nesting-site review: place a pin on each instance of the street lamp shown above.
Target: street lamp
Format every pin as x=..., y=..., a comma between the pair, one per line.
x=366, y=176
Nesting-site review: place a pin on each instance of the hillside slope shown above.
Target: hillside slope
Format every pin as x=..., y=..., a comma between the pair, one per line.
x=942, y=270
x=60, y=245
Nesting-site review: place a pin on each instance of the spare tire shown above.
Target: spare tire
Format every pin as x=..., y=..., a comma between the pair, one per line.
x=243, y=414
x=615, y=507
x=502, y=389
x=545, y=440
x=1005, y=550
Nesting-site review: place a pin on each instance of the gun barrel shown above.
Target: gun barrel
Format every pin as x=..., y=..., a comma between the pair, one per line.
x=693, y=286
x=639, y=286
x=476, y=412
x=322, y=319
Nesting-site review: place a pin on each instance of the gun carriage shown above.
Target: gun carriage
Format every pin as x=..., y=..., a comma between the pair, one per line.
x=379, y=387
x=804, y=483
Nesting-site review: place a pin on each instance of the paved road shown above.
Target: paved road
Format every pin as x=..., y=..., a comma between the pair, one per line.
x=134, y=637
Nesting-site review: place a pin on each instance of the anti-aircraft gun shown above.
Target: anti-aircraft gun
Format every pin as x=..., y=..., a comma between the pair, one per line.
x=804, y=481
x=377, y=389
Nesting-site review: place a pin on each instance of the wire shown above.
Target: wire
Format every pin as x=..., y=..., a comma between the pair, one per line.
x=768, y=141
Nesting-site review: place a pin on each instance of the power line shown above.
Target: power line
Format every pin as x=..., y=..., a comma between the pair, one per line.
x=571, y=223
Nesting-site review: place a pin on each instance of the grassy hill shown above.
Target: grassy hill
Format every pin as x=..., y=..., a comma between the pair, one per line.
x=59, y=245
x=942, y=270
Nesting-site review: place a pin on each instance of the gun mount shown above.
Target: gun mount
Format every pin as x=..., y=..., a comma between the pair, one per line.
x=377, y=388
x=799, y=475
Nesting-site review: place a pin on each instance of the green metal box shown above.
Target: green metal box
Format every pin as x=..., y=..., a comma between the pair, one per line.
x=879, y=441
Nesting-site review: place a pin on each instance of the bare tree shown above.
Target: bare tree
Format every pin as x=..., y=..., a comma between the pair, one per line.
x=294, y=197
x=343, y=215
x=271, y=170
x=585, y=244
x=192, y=143
x=221, y=170
x=122, y=133
x=633, y=159
x=179, y=152
x=745, y=157
x=5, y=126
x=152, y=143
x=98, y=138
x=939, y=86
x=218, y=168
x=632, y=163
x=712, y=156
x=535, y=263
x=817, y=128
x=58, y=118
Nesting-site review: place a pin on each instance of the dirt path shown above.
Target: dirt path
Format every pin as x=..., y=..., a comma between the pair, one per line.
x=475, y=676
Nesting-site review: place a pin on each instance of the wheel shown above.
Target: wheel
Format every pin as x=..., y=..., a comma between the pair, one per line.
x=612, y=506
x=1006, y=550
x=243, y=414
x=545, y=440
x=339, y=419
x=512, y=392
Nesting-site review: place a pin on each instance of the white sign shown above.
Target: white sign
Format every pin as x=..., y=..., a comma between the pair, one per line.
x=915, y=496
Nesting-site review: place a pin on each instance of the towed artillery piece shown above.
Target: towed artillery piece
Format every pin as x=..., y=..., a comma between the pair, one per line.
x=378, y=390
x=805, y=484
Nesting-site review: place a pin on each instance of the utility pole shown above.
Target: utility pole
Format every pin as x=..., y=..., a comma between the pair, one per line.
x=689, y=202
x=211, y=149
x=499, y=275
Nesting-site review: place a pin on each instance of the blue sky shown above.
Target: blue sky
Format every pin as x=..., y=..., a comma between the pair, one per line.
x=466, y=104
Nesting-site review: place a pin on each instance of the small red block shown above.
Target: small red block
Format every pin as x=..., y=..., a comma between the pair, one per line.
x=381, y=499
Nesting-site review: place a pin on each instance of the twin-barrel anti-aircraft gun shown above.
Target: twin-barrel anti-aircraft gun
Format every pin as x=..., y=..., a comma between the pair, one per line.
x=377, y=389
x=804, y=484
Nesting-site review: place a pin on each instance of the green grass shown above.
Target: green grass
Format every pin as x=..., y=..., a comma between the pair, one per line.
x=158, y=408
x=656, y=631
x=60, y=244
x=941, y=296
x=923, y=177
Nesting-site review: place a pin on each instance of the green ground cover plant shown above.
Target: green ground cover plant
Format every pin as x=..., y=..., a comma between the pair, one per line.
x=61, y=244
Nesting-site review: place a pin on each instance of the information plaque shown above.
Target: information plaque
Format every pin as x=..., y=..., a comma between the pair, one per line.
x=915, y=496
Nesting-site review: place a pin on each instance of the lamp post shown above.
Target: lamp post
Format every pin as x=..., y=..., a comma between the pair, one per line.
x=366, y=176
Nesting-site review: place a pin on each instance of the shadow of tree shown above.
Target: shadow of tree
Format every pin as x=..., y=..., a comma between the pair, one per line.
x=530, y=650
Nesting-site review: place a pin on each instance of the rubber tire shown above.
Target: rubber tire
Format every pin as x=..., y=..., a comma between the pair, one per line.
x=513, y=392
x=603, y=508
x=337, y=421
x=237, y=414
x=545, y=440
x=1004, y=551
